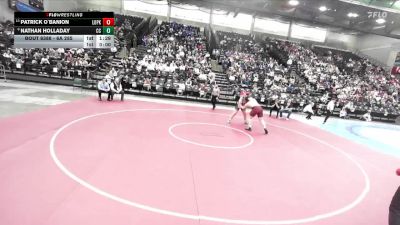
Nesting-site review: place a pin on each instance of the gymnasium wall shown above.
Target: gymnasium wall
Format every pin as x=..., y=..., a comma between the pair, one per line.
x=382, y=49
x=61, y=5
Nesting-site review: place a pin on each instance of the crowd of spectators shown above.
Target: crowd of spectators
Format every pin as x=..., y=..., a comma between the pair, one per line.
x=63, y=62
x=177, y=58
x=349, y=78
x=282, y=71
x=6, y=34
x=250, y=65
x=126, y=30
x=176, y=61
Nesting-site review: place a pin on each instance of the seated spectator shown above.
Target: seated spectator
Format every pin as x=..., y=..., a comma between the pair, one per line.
x=181, y=88
x=343, y=113
x=367, y=116
x=112, y=74
x=211, y=77
x=189, y=83
x=116, y=88
x=202, y=91
x=287, y=108
x=202, y=77
x=45, y=61
x=276, y=105
x=103, y=87
x=147, y=84
x=232, y=78
x=309, y=110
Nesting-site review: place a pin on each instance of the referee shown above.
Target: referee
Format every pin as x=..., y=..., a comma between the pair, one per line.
x=214, y=95
x=329, y=109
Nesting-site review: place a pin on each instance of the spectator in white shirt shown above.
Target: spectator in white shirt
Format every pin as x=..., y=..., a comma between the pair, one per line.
x=343, y=113
x=181, y=88
x=309, y=110
x=103, y=87
x=44, y=61
x=367, y=116
x=211, y=77
x=113, y=73
x=202, y=77
x=202, y=91
x=151, y=66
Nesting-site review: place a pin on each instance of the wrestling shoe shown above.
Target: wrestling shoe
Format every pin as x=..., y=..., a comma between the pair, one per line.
x=265, y=130
x=249, y=129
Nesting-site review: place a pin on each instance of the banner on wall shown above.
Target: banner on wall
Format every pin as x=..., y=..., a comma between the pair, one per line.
x=26, y=5
x=396, y=66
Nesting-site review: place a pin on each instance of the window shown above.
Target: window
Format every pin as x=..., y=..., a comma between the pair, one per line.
x=308, y=33
x=271, y=26
x=147, y=6
x=191, y=13
x=226, y=19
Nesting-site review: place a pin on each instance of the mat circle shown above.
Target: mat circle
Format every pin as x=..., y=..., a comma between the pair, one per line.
x=171, y=132
x=103, y=193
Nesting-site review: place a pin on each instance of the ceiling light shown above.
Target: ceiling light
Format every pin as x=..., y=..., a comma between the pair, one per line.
x=323, y=8
x=293, y=2
x=352, y=15
x=380, y=20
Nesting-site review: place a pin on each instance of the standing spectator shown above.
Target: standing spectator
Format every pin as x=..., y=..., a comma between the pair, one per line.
x=103, y=87
x=215, y=95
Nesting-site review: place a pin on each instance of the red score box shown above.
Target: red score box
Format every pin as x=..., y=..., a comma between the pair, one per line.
x=108, y=21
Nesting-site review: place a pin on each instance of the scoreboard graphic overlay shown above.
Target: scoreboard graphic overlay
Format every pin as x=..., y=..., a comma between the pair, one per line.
x=64, y=29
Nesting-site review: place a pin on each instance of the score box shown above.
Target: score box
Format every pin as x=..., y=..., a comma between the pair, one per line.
x=64, y=30
x=108, y=22
x=108, y=30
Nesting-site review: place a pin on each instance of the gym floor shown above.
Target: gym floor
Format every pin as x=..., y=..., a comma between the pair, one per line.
x=67, y=158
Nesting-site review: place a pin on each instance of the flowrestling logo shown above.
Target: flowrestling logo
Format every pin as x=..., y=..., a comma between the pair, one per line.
x=377, y=15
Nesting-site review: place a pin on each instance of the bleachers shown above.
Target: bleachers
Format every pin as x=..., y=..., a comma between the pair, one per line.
x=272, y=68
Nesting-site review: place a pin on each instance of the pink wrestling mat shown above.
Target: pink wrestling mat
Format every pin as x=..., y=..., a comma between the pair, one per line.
x=103, y=163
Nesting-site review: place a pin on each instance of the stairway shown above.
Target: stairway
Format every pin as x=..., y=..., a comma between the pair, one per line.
x=141, y=50
x=227, y=92
x=215, y=66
